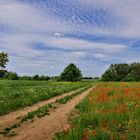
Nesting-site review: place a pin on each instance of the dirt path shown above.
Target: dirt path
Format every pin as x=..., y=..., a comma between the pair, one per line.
x=45, y=128
x=10, y=118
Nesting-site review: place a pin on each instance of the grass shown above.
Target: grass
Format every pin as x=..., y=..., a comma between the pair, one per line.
x=110, y=112
x=41, y=112
x=18, y=94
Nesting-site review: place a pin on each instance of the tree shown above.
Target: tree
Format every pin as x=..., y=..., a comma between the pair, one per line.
x=36, y=77
x=11, y=76
x=122, y=72
x=3, y=61
x=116, y=72
x=71, y=73
x=135, y=71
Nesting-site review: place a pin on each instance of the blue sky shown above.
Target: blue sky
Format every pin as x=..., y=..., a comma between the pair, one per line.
x=43, y=36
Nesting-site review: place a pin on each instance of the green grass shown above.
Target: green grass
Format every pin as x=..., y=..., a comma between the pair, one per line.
x=111, y=111
x=18, y=94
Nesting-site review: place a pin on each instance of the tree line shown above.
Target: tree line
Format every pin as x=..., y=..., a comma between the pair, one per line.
x=70, y=73
x=122, y=72
x=116, y=72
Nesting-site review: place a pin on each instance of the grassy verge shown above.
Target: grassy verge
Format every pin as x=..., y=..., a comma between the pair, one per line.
x=110, y=112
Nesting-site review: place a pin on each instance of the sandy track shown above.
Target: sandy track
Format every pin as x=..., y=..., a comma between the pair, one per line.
x=45, y=128
x=10, y=118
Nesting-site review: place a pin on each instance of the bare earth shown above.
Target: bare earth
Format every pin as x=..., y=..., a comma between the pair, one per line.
x=46, y=127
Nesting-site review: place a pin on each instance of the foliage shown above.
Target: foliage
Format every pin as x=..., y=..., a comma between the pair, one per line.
x=18, y=94
x=2, y=73
x=36, y=77
x=3, y=60
x=111, y=111
x=122, y=72
x=135, y=71
x=11, y=76
x=71, y=73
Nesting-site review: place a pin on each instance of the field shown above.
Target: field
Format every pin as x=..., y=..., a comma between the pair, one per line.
x=18, y=94
x=110, y=112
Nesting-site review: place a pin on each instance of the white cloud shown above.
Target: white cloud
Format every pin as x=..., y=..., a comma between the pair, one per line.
x=57, y=34
x=26, y=24
x=98, y=55
x=26, y=18
x=22, y=42
x=127, y=12
x=75, y=44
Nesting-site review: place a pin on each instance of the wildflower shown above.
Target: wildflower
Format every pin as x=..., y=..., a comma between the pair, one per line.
x=122, y=109
x=93, y=132
x=102, y=108
x=111, y=111
x=115, y=109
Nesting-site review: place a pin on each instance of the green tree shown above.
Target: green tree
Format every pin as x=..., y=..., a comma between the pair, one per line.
x=11, y=76
x=3, y=61
x=122, y=72
x=36, y=77
x=116, y=72
x=135, y=71
x=71, y=73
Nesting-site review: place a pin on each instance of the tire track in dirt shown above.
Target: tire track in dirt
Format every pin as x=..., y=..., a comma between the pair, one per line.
x=10, y=118
x=46, y=127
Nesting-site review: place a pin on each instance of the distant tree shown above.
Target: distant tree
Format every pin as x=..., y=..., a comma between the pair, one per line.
x=44, y=78
x=26, y=78
x=122, y=72
x=36, y=77
x=3, y=61
x=47, y=78
x=96, y=78
x=87, y=78
x=116, y=72
x=71, y=73
x=11, y=76
x=41, y=78
x=135, y=71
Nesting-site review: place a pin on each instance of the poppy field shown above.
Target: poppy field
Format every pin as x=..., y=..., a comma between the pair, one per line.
x=110, y=112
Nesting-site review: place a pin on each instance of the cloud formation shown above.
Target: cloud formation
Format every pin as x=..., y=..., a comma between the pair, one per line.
x=43, y=36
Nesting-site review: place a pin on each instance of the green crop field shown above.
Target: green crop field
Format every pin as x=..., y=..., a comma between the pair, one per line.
x=18, y=94
x=110, y=112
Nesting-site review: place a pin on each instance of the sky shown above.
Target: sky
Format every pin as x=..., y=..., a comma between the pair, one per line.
x=44, y=36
